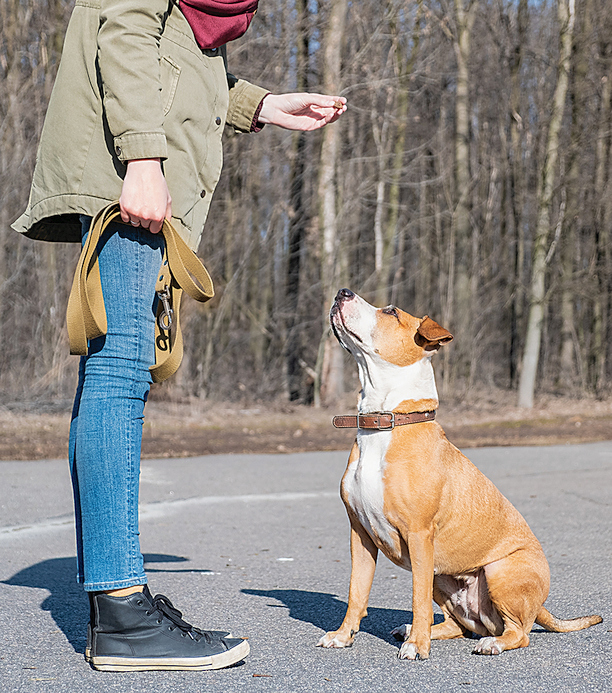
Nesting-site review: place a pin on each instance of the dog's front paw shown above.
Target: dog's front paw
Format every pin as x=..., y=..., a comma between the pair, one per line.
x=336, y=639
x=410, y=650
x=402, y=632
x=488, y=646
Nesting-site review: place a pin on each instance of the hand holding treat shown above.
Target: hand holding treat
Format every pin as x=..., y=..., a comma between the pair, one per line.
x=301, y=111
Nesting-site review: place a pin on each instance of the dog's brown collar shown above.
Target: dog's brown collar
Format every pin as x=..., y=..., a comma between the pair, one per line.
x=383, y=420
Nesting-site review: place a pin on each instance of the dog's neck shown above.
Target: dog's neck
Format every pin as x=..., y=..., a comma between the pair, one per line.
x=384, y=386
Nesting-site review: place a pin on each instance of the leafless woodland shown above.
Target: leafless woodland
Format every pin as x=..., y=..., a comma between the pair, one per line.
x=469, y=180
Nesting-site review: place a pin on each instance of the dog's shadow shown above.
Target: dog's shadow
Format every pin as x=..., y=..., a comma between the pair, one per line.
x=67, y=602
x=326, y=611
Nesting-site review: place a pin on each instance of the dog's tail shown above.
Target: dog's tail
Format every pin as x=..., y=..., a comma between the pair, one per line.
x=560, y=625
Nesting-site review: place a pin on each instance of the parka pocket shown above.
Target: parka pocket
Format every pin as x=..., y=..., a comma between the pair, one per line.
x=169, y=74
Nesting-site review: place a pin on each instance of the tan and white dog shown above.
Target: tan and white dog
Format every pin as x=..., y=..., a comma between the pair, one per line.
x=411, y=494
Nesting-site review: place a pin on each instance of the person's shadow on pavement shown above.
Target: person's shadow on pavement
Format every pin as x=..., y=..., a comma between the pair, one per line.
x=68, y=603
x=326, y=611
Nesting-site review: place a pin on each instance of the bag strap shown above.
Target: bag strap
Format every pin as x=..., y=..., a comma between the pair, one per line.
x=181, y=270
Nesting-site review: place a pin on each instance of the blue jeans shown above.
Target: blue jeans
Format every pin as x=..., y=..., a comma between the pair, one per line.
x=106, y=428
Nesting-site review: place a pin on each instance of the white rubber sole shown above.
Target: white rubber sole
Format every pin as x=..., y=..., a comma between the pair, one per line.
x=88, y=649
x=217, y=661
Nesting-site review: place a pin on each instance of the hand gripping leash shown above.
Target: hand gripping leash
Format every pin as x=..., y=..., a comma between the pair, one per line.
x=181, y=270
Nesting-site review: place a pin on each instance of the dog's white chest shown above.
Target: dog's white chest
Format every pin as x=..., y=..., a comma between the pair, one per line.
x=364, y=488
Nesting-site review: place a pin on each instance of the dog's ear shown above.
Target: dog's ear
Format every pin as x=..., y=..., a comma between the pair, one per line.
x=430, y=335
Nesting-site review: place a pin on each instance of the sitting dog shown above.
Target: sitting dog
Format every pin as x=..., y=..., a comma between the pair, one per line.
x=411, y=494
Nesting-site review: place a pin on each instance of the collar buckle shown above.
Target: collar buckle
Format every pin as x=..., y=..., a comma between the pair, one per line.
x=381, y=423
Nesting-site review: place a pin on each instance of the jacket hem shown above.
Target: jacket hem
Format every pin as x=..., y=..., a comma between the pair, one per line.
x=56, y=219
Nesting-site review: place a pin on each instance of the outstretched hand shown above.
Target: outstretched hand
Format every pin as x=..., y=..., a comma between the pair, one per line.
x=301, y=111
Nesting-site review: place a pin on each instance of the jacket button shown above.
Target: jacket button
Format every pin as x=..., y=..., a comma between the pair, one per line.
x=203, y=193
x=118, y=150
x=218, y=120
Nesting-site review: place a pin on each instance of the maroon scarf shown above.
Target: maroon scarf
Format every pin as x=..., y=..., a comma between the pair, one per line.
x=215, y=22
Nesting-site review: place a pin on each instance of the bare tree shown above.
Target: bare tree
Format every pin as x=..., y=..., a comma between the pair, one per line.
x=461, y=290
x=537, y=298
x=330, y=361
x=460, y=183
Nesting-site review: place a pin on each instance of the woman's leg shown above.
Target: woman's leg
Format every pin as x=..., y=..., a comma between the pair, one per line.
x=133, y=632
x=106, y=428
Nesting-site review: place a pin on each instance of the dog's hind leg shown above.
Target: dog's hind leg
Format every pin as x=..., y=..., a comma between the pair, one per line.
x=363, y=565
x=518, y=586
x=448, y=629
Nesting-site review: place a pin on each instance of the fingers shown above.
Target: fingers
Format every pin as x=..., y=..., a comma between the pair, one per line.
x=318, y=106
x=314, y=99
x=338, y=103
x=152, y=220
x=329, y=114
x=129, y=215
x=155, y=226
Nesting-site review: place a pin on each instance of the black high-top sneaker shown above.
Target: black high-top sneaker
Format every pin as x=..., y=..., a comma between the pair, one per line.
x=141, y=633
x=213, y=633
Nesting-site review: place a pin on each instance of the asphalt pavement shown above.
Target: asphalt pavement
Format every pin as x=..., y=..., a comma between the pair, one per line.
x=259, y=544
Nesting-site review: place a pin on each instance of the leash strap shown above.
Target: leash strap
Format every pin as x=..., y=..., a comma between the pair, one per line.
x=383, y=421
x=181, y=270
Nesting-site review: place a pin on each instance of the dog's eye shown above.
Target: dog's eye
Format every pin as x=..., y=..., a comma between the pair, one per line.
x=391, y=310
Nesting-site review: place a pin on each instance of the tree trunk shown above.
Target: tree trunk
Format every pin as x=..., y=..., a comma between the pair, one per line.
x=568, y=358
x=461, y=296
x=603, y=251
x=329, y=363
x=537, y=299
x=389, y=236
x=517, y=188
x=297, y=225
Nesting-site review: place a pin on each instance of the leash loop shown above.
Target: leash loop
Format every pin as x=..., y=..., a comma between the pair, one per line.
x=181, y=270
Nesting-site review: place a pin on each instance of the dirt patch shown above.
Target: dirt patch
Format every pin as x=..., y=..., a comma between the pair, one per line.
x=185, y=429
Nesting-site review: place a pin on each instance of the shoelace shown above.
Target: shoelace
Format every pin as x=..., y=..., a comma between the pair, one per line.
x=163, y=604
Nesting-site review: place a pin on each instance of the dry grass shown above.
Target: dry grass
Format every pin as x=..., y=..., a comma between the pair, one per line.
x=191, y=428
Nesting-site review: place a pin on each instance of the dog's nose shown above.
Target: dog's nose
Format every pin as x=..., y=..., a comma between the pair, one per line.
x=344, y=294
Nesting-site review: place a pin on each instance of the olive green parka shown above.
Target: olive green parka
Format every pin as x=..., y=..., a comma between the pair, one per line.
x=132, y=84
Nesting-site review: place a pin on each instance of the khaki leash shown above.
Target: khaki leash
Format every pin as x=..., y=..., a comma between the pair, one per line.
x=181, y=270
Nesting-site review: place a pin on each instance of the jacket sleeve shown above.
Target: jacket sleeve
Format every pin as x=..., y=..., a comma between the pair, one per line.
x=244, y=100
x=128, y=57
